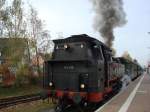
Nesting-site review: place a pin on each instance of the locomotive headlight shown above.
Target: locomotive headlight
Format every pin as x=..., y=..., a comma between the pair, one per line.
x=82, y=46
x=50, y=84
x=82, y=86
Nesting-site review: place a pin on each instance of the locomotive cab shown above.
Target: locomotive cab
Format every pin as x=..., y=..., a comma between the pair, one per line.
x=72, y=65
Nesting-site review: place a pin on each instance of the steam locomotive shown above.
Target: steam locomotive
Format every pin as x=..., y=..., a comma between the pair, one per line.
x=82, y=70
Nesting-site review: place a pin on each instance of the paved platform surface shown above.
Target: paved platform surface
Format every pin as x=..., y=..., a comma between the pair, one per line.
x=135, y=98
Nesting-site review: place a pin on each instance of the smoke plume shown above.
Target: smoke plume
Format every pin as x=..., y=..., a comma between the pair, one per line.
x=109, y=15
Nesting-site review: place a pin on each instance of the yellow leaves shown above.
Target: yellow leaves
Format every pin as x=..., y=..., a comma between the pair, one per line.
x=23, y=70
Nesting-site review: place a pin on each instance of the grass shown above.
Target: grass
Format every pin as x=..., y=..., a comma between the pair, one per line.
x=16, y=91
x=37, y=106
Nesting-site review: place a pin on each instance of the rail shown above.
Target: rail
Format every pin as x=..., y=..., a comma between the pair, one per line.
x=11, y=101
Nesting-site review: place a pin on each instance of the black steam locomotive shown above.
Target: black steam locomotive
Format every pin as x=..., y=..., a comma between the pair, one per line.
x=82, y=70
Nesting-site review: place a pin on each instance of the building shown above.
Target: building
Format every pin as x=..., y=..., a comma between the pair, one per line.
x=13, y=51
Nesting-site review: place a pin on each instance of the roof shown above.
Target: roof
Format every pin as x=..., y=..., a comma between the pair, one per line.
x=8, y=46
x=79, y=38
x=4, y=42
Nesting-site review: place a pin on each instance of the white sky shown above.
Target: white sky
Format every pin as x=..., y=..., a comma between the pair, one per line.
x=76, y=17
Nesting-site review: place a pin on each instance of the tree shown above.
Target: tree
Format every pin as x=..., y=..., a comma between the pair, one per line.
x=16, y=23
x=30, y=29
x=13, y=29
x=14, y=26
x=40, y=38
x=12, y=19
x=2, y=16
x=126, y=55
x=113, y=51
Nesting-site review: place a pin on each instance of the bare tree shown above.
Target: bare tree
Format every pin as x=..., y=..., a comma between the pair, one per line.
x=2, y=16
x=40, y=37
x=14, y=24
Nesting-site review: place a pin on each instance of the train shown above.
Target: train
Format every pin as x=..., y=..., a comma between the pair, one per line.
x=132, y=68
x=82, y=70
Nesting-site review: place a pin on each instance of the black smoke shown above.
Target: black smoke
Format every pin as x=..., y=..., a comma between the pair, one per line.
x=109, y=14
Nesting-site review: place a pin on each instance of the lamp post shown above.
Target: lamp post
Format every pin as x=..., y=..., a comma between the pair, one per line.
x=148, y=68
x=148, y=33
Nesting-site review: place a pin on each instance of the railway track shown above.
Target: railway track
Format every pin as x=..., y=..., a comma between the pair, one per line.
x=11, y=101
x=92, y=108
x=89, y=108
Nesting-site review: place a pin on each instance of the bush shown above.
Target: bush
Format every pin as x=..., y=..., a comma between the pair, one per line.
x=25, y=76
x=21, y=80
x=22, y=75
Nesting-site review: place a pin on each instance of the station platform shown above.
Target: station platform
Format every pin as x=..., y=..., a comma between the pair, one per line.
x=134, y=98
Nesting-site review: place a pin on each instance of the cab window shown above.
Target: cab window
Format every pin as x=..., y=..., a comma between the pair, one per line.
x=97, y=53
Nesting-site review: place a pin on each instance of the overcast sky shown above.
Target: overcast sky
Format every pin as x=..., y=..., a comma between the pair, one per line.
x=76, y=17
